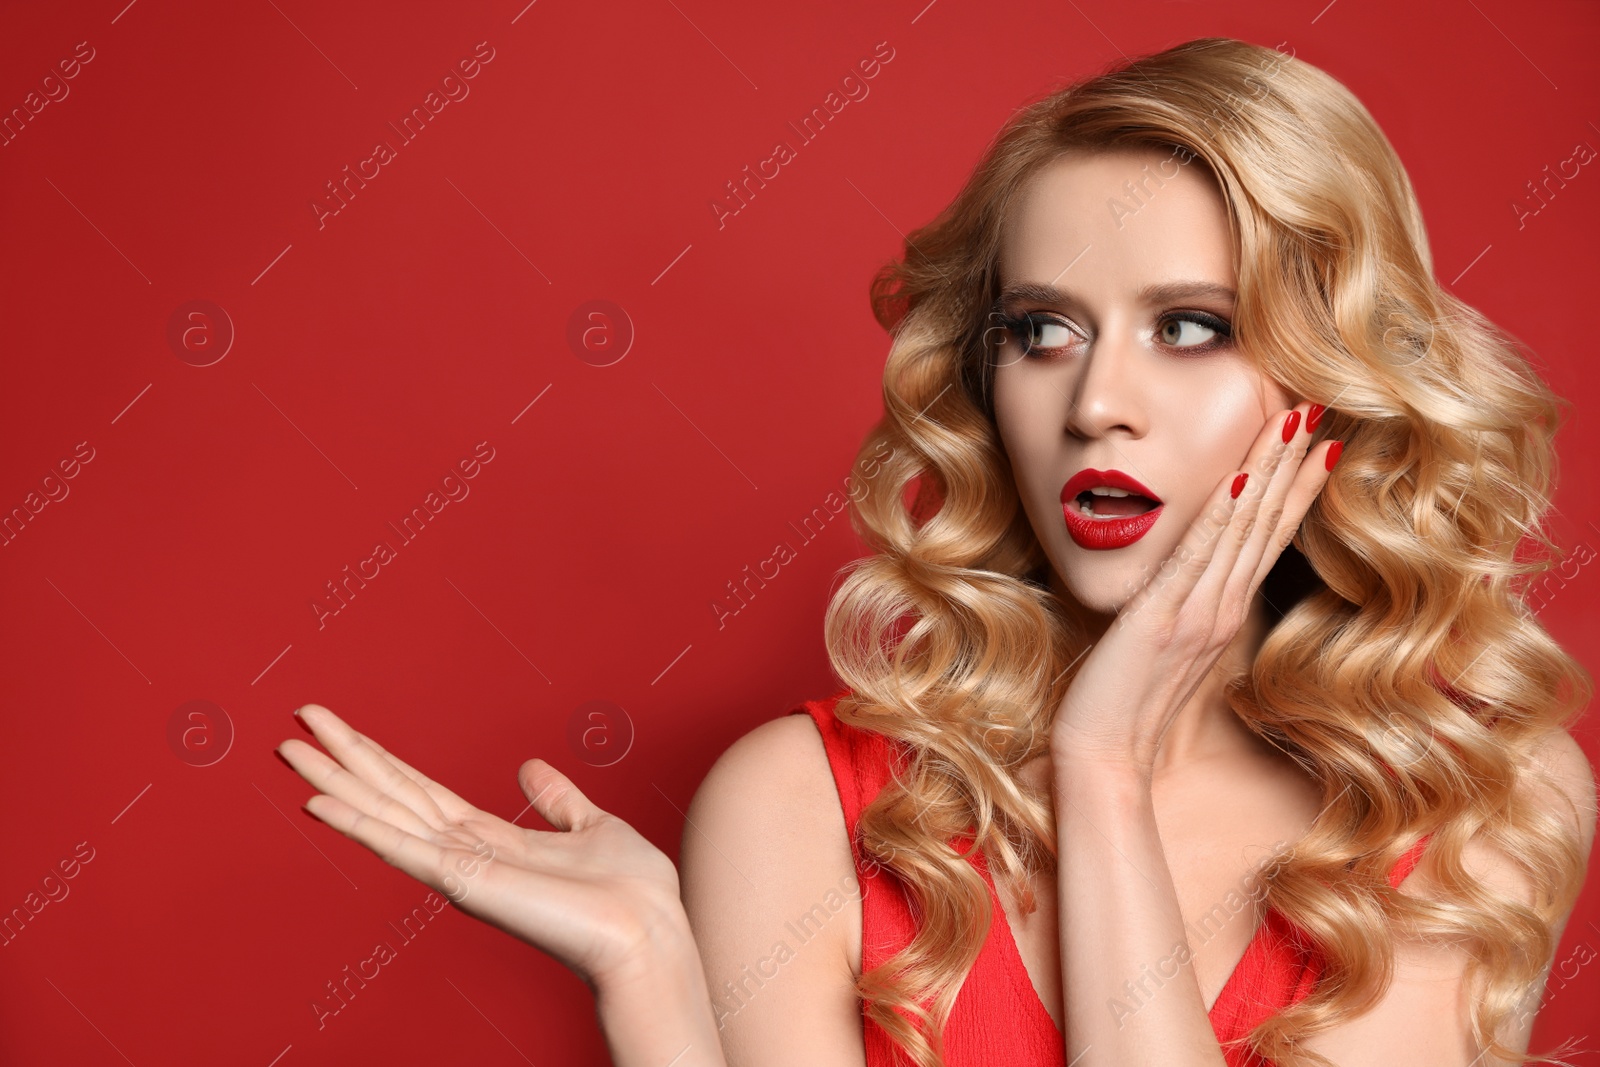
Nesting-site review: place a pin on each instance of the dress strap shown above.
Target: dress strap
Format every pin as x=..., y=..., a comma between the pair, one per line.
x=1408, y=862
x=858, y=758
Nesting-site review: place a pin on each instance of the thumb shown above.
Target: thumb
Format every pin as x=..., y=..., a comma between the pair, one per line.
x=554, y=797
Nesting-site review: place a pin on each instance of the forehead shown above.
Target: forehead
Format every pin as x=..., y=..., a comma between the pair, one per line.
x=1115, y=217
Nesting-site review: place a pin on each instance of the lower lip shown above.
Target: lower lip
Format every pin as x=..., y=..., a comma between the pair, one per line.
x=1107, y=533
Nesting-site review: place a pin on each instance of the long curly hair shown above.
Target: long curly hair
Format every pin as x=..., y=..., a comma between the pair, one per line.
x=1406, y=674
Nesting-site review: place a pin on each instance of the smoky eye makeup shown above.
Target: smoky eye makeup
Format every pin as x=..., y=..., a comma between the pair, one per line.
x=1221, y=329
x=1041, y=333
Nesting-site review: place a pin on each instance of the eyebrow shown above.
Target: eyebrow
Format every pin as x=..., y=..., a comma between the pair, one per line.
x=1163, y=293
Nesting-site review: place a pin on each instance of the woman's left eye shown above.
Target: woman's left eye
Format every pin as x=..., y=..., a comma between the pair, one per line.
x=1172, y=331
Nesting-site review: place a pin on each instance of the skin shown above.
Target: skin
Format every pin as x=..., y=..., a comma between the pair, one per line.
x=1130, y=385
x=1164, y=801
x=1114, y=380
x=1119, y=380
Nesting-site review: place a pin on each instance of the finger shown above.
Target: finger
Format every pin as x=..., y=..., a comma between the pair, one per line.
x=316, y=768
x=449, y=803
x=1261, y=510
x=415, y=855
x=1174, y=581
x=491, y=895
x=554, y=797
x=1274, y=504
x=466, y=818
x=361, y=760
x=1308, y=484
x=1199, y=567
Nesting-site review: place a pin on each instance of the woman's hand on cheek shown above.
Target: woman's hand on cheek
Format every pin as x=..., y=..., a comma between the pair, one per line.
x=1171, y=632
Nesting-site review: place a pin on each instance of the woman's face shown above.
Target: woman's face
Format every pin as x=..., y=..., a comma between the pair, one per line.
x=1131, y=367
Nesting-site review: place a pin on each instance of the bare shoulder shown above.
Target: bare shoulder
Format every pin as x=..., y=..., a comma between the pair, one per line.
x=788, y=745
x=1560, y=782
x=775, y=782
x=1567, y=766
x=1426, y=1009
x=769, y=885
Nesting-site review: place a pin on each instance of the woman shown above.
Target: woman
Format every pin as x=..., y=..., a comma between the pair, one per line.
x=1182, y=313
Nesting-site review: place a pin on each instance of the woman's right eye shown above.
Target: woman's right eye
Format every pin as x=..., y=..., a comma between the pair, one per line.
x=1035, y=333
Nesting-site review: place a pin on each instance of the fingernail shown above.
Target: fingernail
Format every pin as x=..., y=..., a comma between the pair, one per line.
x=1290, y=425
x=1238, y=485
x=1333, y=453
x=1314, y=417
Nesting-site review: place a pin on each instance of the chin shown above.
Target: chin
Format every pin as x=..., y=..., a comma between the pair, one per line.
x=1103, y=582
x=1097, y=585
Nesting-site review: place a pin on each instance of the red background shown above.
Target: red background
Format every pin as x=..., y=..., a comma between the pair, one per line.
x=374, y=352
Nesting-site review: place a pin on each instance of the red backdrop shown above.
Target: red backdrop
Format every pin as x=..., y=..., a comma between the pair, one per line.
x=225, y=385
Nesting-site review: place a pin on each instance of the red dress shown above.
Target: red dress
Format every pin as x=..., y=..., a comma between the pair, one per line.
x=998, y=1016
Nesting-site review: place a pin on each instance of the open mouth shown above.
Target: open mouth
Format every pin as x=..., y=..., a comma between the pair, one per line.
x=1109, y=503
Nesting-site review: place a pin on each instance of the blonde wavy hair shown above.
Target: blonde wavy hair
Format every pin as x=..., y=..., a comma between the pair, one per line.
x=1406, y=674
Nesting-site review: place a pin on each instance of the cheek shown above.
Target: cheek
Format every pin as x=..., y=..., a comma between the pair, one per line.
x=1023, y=425
x=1222, y=427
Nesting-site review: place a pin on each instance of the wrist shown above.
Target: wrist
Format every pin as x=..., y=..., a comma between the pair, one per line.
x=1097, y=782
x=660, y=945
x=656, y=1007
x=1078, y=762
x=1074, y=748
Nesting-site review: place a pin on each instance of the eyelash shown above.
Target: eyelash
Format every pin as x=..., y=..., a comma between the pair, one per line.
x=1019, y=328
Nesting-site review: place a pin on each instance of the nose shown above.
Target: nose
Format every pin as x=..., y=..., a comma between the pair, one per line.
x=1108, y=397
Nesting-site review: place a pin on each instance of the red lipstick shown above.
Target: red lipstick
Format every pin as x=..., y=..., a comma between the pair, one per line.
x=1090, y=532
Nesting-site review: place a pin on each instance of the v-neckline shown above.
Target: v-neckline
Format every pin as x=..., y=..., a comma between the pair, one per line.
x=1012, y=952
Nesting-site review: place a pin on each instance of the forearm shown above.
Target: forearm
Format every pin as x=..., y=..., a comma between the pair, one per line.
x=1130, y=992
x=660, y=1014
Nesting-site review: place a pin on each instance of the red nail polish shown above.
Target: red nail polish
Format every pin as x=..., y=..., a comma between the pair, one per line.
x=1314, y=417
x=1333, y=453
x=1238, y=485
x=1290, y=425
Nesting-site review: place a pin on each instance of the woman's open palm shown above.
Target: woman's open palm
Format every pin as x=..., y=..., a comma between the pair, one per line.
x=589, y=893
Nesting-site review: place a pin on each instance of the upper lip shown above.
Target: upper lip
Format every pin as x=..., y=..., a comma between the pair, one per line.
x=1089, y=478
